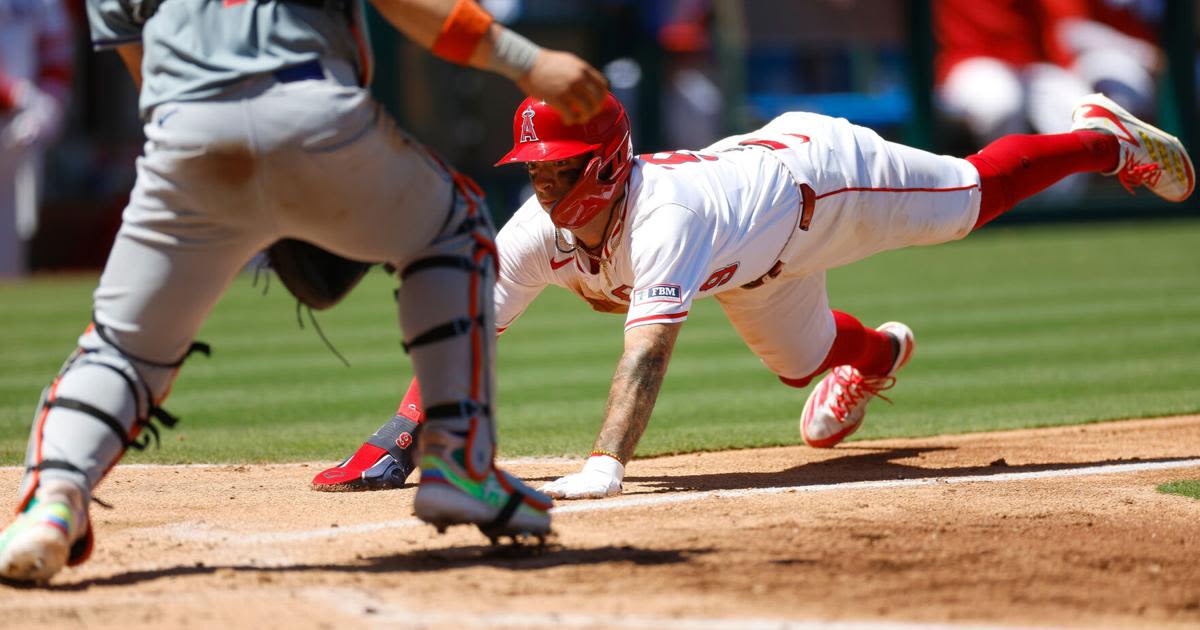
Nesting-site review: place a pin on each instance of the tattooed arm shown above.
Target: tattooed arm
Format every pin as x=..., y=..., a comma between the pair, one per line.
x=635, y=388
x=631, y=399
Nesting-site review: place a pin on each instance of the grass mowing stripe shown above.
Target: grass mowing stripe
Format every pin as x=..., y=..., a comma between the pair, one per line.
x=1190, y=488
x=1000, y=295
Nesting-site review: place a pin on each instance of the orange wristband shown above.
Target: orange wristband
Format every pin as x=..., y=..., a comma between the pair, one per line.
x=464, y=28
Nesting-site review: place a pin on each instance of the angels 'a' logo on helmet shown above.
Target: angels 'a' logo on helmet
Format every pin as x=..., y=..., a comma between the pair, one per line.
x=528, y=133
x=604, y=139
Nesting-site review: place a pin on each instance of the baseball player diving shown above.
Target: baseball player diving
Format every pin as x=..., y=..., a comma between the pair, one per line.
x=259, y=128
x=753, y=221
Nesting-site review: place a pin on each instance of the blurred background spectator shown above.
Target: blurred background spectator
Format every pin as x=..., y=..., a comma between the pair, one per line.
x=35, y=79
x=690, y=71
x=1015, y=66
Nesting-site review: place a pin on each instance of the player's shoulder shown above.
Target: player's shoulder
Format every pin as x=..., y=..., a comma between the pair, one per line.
x=528, y=232
x=530, y=220
x=662, y=190
x=655, y=180
x=665, y=213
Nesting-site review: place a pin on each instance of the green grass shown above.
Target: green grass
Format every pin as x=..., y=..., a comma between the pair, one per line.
x=1186, y=488
x=1016, y=327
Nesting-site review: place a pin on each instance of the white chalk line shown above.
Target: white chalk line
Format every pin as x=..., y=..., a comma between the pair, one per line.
x=203, y=532
x=378, y=613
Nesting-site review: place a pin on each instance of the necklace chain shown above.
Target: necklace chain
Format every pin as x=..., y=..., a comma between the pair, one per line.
x=560, y=243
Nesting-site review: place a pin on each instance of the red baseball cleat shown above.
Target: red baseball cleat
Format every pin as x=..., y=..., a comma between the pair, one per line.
x=836, y=408
x=1150, y=157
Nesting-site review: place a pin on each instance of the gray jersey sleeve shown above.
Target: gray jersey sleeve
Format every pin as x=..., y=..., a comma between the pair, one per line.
x=116, y=22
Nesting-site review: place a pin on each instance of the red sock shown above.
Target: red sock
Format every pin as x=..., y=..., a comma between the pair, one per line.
x=410, y=407
x=1017, y=167
x=867, y=349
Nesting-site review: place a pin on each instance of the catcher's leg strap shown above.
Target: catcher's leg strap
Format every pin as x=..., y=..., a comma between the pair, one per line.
x=454, y=327
x=450, y=329
x=456, y=262
x=454, y=410
x=198, y=346
x=97, y=407
x=506, y=512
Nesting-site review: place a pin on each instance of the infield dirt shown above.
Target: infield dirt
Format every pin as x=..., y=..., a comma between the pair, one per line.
x=252, y=546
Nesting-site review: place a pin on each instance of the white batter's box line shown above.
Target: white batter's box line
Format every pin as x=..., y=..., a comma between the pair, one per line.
x=206, y=533
x=382, y=614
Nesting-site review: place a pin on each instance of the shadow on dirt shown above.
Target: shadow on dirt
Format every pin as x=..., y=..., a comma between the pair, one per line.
x=871, y=465
x=510, y=557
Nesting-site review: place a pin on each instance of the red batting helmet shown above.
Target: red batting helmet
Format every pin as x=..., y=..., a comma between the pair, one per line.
x=539, y=135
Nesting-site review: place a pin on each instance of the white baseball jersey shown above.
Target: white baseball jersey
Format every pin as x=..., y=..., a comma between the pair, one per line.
x=691, y=225
x=801, y=195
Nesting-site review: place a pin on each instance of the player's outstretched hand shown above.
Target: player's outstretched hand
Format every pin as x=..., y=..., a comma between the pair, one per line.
x=601, y=477
x=567, y=83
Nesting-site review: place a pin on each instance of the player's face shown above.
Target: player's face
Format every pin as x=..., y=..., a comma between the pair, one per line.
x=552, y=180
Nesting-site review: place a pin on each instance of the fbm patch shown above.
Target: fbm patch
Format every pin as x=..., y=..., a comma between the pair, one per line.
x=667, y=293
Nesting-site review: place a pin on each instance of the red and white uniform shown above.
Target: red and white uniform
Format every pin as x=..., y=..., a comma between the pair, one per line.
x=807, y=191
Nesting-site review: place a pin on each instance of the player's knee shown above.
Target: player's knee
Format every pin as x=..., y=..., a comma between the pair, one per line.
x=107, y=382
x=796, y=382
x=802, y=374
x=152, y=378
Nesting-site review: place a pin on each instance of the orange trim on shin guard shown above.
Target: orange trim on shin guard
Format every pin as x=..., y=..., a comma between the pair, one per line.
x=476, y=362
x=37, y=448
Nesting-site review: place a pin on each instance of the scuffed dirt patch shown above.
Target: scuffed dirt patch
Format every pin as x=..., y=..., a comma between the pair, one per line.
x=252, y=546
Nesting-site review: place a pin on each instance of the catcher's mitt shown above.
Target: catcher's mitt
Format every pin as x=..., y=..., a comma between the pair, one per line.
x=319, y=279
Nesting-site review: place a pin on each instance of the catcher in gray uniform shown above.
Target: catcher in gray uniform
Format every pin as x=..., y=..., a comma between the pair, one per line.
x=259, y=128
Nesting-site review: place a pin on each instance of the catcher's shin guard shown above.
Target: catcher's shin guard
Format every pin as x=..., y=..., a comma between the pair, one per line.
x=101, y=403
x=446, y=308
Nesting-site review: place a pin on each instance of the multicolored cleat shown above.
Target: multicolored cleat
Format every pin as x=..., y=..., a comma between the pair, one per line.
x=1149, y=157
x=37, y=544
x=499, y=504
x=836, y=407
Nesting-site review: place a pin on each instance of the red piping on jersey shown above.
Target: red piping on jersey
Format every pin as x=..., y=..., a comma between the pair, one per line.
x=896, y=190
x=667, y=317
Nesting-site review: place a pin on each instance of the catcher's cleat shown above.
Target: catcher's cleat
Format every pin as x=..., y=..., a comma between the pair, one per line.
x=1149, y=156
x=836, y=407
x=499, y=504
x=383, y=462
x=37, y=544
x=522, y=541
